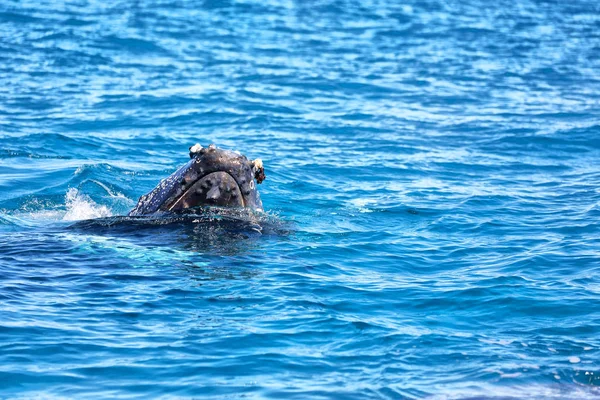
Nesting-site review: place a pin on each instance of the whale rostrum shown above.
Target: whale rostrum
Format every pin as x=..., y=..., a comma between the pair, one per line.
x=212, y=177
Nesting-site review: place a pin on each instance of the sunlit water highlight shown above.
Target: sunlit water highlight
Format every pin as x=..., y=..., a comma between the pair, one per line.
x=432, y=198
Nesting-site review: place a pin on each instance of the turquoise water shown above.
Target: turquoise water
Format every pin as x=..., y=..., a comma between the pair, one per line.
x=433, y=199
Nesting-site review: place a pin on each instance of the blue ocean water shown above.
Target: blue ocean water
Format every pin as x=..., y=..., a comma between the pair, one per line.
x=433, y=199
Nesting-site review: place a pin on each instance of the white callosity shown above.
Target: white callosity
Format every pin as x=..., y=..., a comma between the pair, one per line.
x=257, y=164
x=196, y=148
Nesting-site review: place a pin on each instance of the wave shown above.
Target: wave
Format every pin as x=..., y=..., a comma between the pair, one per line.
x=81, y=207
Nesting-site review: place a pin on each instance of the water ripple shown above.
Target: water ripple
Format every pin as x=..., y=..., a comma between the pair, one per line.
x=432, y=199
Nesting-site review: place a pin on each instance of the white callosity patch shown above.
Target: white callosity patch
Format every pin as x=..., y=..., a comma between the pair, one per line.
x=196, y=148
x=80, y=207
x=257, y=163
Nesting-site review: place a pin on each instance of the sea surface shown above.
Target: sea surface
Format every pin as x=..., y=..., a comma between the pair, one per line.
x=432, y=226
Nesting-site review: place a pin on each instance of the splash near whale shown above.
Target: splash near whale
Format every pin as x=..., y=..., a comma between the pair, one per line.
x=212, y=177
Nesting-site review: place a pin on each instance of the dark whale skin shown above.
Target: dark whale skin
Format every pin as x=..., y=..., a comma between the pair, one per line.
x=213, y=177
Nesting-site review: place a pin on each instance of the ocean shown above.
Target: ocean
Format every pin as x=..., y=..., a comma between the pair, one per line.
x=432, y=201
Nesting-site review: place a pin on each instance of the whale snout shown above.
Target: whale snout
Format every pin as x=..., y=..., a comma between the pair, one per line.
x=216, y=188
x=213, y=177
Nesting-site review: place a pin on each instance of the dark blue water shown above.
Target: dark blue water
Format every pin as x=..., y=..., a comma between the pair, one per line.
x=433, y=199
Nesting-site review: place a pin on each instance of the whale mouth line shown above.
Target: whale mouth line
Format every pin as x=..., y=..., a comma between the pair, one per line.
x=217, y=188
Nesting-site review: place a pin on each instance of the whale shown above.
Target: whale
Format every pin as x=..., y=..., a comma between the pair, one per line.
x=212, y=177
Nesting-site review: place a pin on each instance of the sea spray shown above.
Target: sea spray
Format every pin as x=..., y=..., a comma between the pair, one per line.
x=80, y=207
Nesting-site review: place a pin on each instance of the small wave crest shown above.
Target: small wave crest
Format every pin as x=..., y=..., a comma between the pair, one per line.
x=81, y=207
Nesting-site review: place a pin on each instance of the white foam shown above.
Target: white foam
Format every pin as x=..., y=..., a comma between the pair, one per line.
x=81, y=207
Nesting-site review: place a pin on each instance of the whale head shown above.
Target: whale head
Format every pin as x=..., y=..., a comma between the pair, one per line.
x=212, y=177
